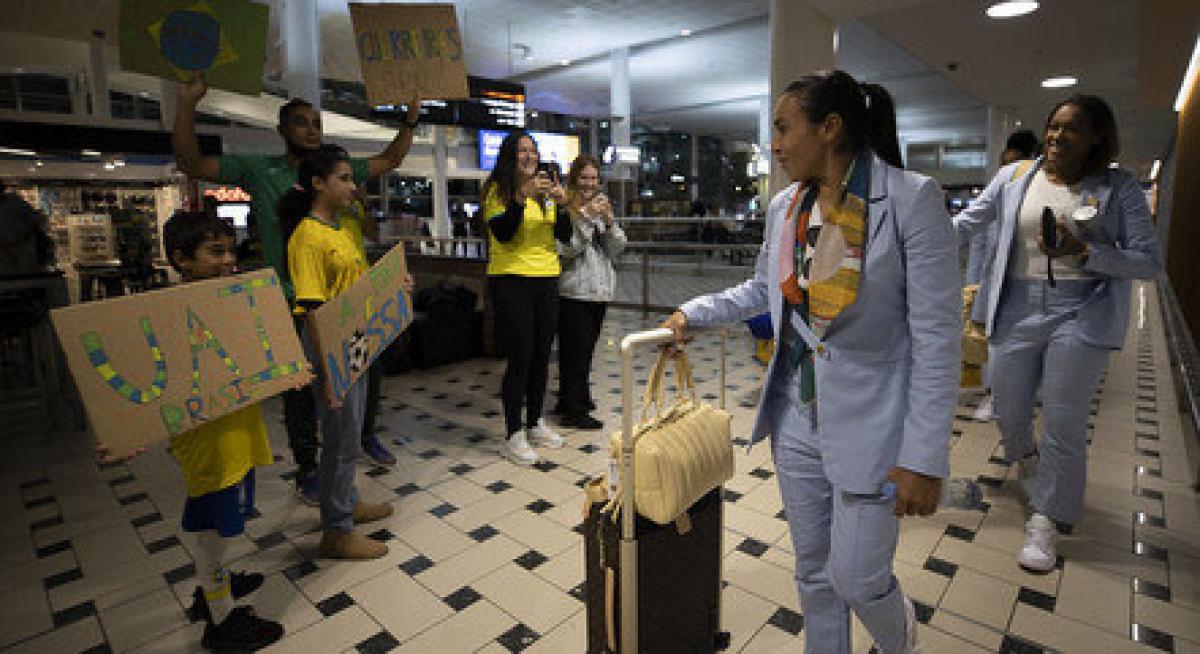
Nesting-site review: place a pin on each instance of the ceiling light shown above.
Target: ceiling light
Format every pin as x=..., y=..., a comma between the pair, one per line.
x=1012, y=8
x=1189, y=78
x=1060, y=82
x=110, y=166
x=565, y=62
x=90, y=153
x=685, y=32
x=1154, y=168
x=39, y=164
x=18, y=151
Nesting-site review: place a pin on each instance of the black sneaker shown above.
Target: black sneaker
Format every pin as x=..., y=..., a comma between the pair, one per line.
x=581, y=421
x=241, y=631
x=241, y=584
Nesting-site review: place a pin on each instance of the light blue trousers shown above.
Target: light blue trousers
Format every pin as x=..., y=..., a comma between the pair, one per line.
x=844, y=546
x=1036, y=342
x=341, y=432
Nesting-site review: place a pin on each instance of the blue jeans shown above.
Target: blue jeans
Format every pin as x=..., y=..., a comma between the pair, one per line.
x=341, y=431
x=844, y=546
x=1035, y=342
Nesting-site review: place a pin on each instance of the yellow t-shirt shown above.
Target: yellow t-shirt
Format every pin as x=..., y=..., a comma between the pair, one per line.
x=217, y=454
x=323, y=261
x=351, y=220
x=531, y=252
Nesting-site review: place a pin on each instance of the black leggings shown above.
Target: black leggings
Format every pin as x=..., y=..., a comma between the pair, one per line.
x=526, y=317
x=579, y=323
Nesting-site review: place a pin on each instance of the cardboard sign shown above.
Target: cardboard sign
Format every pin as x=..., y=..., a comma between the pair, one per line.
x=156, y=364
x=353, y=329
x=174, y=39
x=409, y=50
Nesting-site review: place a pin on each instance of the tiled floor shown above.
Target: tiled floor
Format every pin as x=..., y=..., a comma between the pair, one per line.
x=484, y=556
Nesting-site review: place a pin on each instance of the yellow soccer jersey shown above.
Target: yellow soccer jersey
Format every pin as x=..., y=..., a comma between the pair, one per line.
x=217, y=454
x=531, y=252
x=323, y=261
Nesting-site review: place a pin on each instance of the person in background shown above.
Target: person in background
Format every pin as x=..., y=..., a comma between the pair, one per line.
x=356, y=221
x=25, y=246
x=1021, y=145
x=217, y=459
x=1055, y=311
x=525, y=214
x=860, y=394
x=266, y=178
x=324, y=262
x=586, y=286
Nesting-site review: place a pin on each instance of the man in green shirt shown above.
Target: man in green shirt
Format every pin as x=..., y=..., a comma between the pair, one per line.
x=267, y=178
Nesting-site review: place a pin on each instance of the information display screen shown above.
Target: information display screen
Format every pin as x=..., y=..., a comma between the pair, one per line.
x=493, y=105
x=559, y=148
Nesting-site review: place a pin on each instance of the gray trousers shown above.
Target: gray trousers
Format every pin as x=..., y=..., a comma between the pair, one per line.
x=1036, y=342
x=844, y=546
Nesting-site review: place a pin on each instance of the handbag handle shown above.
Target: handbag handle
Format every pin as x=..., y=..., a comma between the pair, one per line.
x=685, y=384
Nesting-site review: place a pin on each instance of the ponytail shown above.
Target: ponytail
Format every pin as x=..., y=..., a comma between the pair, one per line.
x=881, y=124
x=298, y=201
x=867, y=112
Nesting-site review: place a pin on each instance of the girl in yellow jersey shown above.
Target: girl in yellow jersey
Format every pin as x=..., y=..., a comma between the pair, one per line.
x=324, y=261
x=525, y=213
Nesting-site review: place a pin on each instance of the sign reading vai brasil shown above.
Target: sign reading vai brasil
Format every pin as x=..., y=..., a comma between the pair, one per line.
x=353, y=329
x=409, y=50
x=156, y=364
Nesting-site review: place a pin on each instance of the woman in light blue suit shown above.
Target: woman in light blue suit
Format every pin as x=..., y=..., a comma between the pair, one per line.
x=864, y=393
x=1054, y=313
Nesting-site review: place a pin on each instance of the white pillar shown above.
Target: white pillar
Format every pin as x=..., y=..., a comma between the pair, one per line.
x=594, y=137
x=301, y=35
x=999, y=126
x=441, y=227
x=167, y=103
x=98, y=76
x=621, y=118
x=802, y=41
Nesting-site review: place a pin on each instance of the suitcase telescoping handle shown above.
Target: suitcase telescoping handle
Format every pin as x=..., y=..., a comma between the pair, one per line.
x=628, y=550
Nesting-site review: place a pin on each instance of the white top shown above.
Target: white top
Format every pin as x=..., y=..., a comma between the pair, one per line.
x=1029, y=262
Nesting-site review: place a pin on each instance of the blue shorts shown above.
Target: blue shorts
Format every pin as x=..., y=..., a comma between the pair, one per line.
x=220, y=511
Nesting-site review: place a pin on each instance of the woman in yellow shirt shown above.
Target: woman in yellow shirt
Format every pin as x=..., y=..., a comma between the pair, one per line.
x=323, y=262
x=525, y=213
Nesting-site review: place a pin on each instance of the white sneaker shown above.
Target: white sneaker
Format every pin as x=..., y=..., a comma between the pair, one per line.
x=983, y=412
x=1037, y=555
x=517, y=448
x=542, y=436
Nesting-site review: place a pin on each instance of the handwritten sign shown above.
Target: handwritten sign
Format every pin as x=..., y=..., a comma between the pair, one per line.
x=156, y=364
x=408, y=50
x=353, y=329
x=174, y=39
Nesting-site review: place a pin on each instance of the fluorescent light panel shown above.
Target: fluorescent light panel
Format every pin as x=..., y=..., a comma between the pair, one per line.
x=1011, y=9
x=1189, y=78
x=1060, y=82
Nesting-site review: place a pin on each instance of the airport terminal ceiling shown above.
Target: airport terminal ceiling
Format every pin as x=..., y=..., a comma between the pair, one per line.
x=943, y=60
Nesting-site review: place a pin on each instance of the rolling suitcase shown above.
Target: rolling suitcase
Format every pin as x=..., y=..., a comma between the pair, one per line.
x=675, y=569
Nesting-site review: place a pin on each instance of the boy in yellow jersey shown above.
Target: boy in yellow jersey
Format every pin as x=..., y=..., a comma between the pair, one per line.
x=217, y=458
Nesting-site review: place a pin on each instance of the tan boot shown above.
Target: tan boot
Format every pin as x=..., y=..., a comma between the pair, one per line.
x=350, y=545
x=364, y=512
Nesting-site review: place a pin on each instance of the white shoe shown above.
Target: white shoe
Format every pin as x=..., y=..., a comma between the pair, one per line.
x=910, y=622
x=1037, y=554
x=983, y=412
x=542, y=436
x=517, y=448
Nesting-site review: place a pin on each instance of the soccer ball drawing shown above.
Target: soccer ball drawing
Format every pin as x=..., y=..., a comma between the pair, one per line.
x=359, y=352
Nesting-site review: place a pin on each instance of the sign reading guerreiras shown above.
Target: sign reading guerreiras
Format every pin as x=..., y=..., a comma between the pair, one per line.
x=353, y=329
x=156, y=364
x=409, y=50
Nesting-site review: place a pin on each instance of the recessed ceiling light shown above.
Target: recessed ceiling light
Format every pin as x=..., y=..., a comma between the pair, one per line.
x=1060, y=82
x=90, y=153
x=685, y=32
x=565, y=62
x=1012, y=8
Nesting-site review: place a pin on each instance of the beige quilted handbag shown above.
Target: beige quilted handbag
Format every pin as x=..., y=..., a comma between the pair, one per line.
x=681, y=452
x=974, y=337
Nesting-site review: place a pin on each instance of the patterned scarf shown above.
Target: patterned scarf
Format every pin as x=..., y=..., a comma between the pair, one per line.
x=820, y=267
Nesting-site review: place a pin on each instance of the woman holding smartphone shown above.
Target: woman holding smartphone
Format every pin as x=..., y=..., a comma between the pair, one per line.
x=1073, y=234
x=586, y=287
x=525, y=213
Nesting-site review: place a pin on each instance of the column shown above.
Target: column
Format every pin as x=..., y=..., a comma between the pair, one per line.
x=764, y=147
x=802, y=40
x=167, y=104
x=1000, y=124
x=621, y=116
x=79, y=90
x=98, y=76
x=594, y=137
x=301, y=35
x=441, y=227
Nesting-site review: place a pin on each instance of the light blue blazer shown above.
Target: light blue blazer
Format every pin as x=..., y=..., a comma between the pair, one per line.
x=1123, y=243
x=887, y=371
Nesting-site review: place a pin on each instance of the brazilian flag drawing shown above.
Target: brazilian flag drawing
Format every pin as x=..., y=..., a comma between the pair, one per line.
x=174, y=39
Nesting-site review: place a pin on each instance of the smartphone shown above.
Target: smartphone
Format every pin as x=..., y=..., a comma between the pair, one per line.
x=1049, y=228
x=552, y=170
